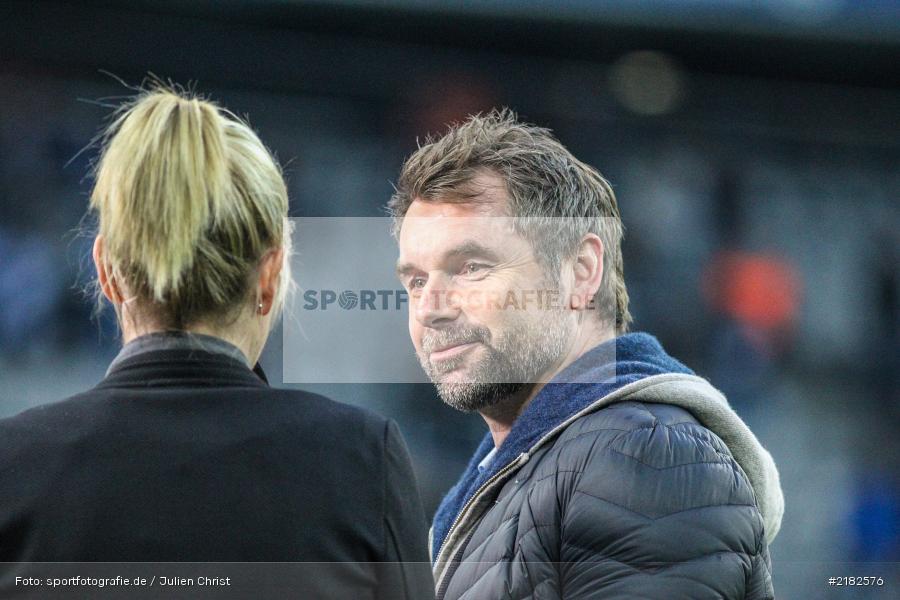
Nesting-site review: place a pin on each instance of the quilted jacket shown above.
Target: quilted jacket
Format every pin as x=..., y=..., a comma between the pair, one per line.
x=654, y=490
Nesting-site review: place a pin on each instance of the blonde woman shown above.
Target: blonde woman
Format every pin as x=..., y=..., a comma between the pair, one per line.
x=183, y=452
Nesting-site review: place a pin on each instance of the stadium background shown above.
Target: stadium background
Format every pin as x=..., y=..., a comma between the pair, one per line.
x=754, y=148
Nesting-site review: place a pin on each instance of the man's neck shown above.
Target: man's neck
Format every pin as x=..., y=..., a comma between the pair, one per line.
x=501, y=416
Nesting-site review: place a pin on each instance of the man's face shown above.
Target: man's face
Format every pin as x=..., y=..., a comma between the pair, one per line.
x=485, y=319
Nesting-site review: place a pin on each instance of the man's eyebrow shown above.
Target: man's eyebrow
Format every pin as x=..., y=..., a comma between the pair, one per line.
x=463, y=250
x=471, y=248
x=405, y=269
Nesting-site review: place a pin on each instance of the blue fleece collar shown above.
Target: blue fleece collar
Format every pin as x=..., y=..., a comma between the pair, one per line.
x=596, y=374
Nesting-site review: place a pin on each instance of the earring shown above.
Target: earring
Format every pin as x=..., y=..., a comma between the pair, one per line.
x=259, y=308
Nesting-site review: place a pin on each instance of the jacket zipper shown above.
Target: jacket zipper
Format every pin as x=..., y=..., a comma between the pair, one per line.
x=453, y=565
x=444, y=581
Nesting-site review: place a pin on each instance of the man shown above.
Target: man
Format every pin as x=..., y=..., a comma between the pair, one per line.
x=610, y=470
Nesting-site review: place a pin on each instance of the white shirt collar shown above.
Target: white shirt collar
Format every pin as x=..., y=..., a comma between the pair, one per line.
x=486, y=461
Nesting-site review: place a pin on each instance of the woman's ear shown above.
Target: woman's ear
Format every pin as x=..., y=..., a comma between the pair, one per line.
x=588, y=271
x=269, y=276
x=107, y=280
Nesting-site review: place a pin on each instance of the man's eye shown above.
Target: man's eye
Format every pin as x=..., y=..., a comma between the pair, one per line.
x=472, y=268
x=417, y=283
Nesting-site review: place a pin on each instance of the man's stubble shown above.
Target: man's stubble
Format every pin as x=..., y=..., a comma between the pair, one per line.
x=513, y=363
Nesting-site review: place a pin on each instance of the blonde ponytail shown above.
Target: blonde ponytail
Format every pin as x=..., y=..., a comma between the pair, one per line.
x=188, y=201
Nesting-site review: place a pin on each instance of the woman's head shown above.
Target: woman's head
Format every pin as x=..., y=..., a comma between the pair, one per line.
x=193, y=231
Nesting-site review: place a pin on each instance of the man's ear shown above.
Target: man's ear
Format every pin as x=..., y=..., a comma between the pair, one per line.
x=269, y=275
x=588, y=271
x=107, y=280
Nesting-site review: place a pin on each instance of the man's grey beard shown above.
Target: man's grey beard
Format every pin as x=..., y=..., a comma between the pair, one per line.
x=526, y=351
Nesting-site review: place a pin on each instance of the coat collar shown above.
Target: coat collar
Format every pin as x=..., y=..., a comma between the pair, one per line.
x=182, y=367
x=176, y=340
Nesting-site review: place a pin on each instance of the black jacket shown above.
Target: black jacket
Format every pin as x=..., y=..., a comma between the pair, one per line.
x=635, y=500
x=184, y=455
x=627, y=476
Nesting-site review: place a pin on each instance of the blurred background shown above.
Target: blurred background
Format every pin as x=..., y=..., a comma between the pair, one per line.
x=754, y=147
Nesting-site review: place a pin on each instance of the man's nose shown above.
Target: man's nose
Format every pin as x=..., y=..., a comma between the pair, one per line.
x=436, y=305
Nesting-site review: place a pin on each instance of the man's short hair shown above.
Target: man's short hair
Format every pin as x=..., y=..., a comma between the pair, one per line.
x=544, y=181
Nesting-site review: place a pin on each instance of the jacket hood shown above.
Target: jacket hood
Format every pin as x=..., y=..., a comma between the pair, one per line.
x=636, y=365
x=709, y=406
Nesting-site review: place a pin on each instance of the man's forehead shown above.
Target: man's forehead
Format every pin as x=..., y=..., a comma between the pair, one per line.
x=445, y=234
x=433, y=223
x=434, y=226
x=484, y=195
